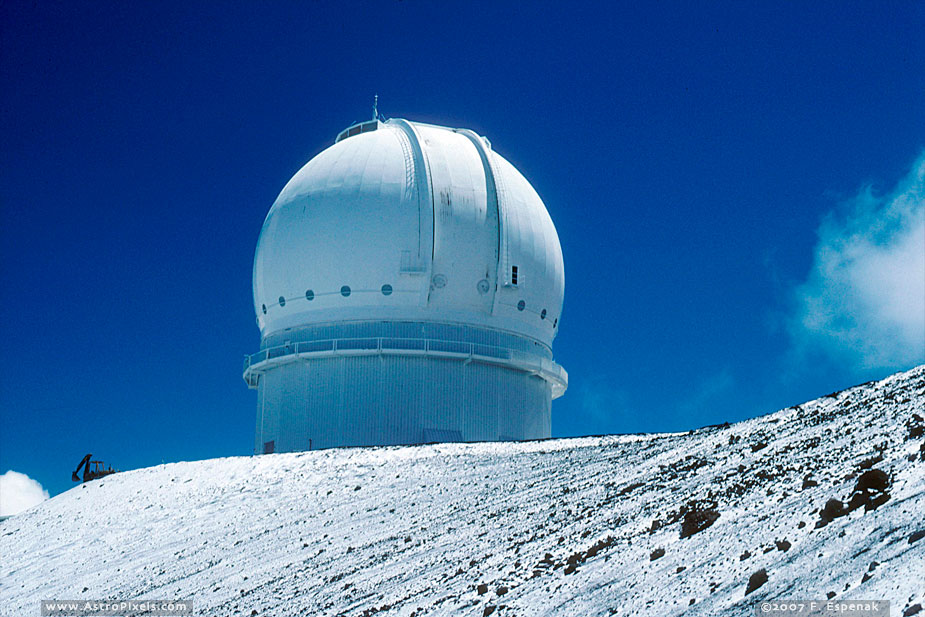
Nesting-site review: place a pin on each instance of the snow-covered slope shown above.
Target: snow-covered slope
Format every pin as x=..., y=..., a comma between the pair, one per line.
x=559, y=527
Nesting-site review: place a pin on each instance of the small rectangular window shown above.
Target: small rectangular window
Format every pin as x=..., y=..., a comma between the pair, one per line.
x=513, y=275
x=269, y=446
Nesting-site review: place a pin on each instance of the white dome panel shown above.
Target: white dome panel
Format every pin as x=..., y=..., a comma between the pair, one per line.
x=409, y=221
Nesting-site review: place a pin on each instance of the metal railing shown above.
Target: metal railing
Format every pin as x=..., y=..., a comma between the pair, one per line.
x=545, y=368
x=383, y=344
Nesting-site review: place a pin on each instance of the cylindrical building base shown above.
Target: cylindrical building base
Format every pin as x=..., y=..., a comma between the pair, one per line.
x=369, y=400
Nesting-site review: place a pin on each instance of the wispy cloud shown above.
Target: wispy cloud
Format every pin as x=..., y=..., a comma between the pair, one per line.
x=863, y=302
x=19, y=492
x=604, y=407
x=712, y=390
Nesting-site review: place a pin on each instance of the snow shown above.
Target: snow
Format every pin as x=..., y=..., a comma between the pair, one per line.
x=416, y=530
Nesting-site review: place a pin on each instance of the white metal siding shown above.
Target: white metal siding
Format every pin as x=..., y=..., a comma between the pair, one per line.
x=382, y=400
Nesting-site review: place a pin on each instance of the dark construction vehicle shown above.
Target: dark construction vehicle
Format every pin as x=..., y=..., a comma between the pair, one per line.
x=96, y=472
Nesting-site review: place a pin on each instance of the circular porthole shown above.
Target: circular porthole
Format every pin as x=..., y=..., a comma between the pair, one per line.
x=345, y=291
x=282, y=301
x=439, y=281
x=309, y=295
x=483, y=286
x=543, y=314
x=264, y=307
x=521, y=305
x=386, y=290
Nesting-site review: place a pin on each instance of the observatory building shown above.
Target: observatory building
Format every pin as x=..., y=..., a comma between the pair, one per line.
x=408, y=285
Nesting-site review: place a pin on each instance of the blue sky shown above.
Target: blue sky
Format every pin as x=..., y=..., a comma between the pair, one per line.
x=737, y=188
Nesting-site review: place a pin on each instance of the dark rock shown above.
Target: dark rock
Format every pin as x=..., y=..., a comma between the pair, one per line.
x=598, y=546
x=873, y=566
x=830, y=595
x=870, y=462
x=570, y=569
x=659, y=552
x=488, y=611
x=832, y=509
x=915, y=536
x=873, y=480
x=870, y=491
x=697, y=520
x=782, y=545
x=630, y=488
x=501, y=590
x=801, y=525
x=482, y=589
x=866, y=577
x=808, y=482
x=744, y=556
x=756, y=580
x=691, y=603
x=759, y=446
x=680, y=569
x=915, y=609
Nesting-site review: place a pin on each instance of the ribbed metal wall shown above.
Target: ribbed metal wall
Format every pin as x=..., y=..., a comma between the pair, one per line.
x=380, y=400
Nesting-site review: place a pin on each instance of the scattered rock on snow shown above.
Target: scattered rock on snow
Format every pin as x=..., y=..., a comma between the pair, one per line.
x=916, y=426
x=659, y=552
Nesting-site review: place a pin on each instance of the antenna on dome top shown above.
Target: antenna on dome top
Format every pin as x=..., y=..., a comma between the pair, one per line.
x=376, y=107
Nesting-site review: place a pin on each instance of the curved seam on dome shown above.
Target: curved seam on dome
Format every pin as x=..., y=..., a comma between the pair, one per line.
x=491, y=185
x=422, y=184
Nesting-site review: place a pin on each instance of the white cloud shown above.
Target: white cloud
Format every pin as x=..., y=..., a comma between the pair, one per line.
x=864, y=299
x=19, y=492
x=600, y=400
x=712, y=389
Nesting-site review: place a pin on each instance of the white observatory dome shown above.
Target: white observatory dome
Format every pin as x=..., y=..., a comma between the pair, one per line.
x=403, y=243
